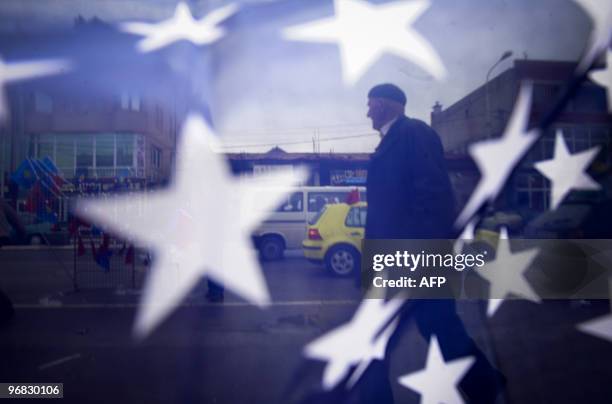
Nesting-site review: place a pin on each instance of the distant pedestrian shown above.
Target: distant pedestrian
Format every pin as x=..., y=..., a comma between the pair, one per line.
x=8, y=218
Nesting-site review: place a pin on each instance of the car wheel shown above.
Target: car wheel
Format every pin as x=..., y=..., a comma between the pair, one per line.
x=342, y=260
x=271, y=248
x=36, y=239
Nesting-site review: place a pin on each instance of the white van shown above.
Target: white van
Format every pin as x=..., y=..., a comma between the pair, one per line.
x=286, y=227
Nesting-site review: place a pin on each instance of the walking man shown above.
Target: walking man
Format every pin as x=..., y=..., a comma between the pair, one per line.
x=410, y=196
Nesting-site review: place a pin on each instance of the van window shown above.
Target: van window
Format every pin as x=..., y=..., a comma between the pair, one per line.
x=316, y=200
x=293, y=203
x=316, y=217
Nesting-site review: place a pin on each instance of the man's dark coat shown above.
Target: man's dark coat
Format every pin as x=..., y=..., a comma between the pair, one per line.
x=410, y=197
x=408, y=190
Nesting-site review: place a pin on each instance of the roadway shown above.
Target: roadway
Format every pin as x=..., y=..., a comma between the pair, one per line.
x=236, y=353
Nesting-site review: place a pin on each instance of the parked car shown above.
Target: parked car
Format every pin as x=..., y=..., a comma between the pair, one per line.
x=286, y=227
x=335, y=235
x=573, y=220
x=39, y=232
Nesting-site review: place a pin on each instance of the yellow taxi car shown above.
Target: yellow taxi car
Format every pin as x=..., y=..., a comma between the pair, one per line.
x=334, y=237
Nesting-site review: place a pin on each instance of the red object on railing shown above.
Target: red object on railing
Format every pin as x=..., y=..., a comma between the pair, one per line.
x=129, y=255
x=352, y=197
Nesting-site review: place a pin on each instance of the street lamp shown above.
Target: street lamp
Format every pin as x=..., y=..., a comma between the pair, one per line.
x=503, y=57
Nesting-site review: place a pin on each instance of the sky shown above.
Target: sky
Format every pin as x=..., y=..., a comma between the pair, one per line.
x=263, y=90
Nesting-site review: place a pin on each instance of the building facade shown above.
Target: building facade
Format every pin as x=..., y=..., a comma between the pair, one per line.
x=585, y=122
x=129, y=135
x=95, y=140
x=100, y=121
x=325, y=169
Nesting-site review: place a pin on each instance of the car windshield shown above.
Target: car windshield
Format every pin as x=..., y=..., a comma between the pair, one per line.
x=318, y=215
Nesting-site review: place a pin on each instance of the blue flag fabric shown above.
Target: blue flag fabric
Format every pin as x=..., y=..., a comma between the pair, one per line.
x=102, y=255
x=103, y=259
x=25, y=175
x=49, y=165
x=46, y=175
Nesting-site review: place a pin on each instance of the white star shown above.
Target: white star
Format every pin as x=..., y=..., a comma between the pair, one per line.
x=496, y=158
x=200, y=226
x=494, y=304
x=459, y=245
x=354, y=343
x=437, y=383
x=466, y=235
x=566, y=171
x=603, y=257
x=600, y=12
x=12, y=72
x=506, y=273
x=181, y=26
x=600, y=327
x=604, y=78
x=377, y=351
x=364, y=32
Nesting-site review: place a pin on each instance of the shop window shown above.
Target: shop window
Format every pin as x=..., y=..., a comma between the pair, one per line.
x=125, y=150
x=84, y=151
x=64, y=154
x=105, y=148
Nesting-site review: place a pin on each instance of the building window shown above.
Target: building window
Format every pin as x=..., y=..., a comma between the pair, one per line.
x=64, y=154
x=155, y=157
x=589, y=98
x=580, y=138
x=577, y=139
x=103, y=155
x=125, y=150
x=84, y=152
x=159, y=117
x=602, y=138
x=125, y=101
x=42, y=102
x=544, y=94
x=533, y=191
x=105, y=150
x=130, y=102
x=135, y=103
x=46, y=148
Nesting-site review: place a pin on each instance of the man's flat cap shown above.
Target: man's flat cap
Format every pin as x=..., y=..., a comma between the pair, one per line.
x=388, y=91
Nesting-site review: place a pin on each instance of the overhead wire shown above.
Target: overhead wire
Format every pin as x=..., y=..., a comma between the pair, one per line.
x=296, y=142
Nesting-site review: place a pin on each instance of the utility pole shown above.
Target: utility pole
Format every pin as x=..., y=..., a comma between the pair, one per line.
x=503, y=57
